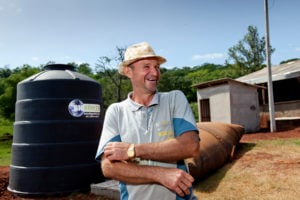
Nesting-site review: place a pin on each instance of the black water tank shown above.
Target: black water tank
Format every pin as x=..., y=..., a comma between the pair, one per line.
x=56, y=132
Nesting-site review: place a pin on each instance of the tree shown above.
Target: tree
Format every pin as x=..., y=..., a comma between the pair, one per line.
x=5, y=72
x=176, y=80
x=289, y=60
x=9, y=90
x=249, y=54
x=83, y=68
x=206, y=72
x=114, y=86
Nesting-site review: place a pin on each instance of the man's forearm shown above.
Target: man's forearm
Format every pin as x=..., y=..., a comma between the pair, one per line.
x=129, y=172
x=185, y=146
x=174, y=179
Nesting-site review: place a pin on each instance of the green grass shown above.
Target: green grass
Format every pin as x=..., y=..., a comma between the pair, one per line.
x=297, y=142
x=5, y=152
x=6, y=132
x=279, y=142
x=6, y=127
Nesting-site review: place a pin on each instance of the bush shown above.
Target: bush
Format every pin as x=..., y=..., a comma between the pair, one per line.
x=194, y=107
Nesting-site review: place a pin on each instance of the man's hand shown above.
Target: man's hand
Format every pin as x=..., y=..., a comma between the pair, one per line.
x=116, y=151
x=176, y=180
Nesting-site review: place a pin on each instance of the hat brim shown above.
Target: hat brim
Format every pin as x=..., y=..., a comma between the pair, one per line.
x=160, y=59
x=126, y=63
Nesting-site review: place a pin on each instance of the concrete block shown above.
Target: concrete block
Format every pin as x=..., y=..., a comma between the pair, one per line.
x=109, y=188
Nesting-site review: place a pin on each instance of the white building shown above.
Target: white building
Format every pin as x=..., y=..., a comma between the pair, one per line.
x=229, y=101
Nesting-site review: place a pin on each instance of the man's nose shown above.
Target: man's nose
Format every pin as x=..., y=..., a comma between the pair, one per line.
x=154, y=71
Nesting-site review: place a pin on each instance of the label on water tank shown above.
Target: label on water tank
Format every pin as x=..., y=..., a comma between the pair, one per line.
x=77, y=109
x=91, y=110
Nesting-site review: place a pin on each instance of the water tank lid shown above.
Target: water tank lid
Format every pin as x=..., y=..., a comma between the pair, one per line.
x=59, y=67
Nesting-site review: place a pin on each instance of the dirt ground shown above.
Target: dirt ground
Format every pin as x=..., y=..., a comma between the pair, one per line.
x=4, y=170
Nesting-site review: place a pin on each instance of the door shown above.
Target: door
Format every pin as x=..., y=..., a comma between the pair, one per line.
x=205, y=110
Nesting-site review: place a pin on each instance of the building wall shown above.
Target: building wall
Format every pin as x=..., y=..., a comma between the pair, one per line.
x=287, y=109
x=245, y=107
x=219, y=100
x=287, y=115
x=232, y=103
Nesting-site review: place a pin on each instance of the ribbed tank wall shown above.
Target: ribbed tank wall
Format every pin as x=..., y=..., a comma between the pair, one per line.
x=56, y=132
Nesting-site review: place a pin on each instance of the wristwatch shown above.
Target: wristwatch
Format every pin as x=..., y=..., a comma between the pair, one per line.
x=130, y=151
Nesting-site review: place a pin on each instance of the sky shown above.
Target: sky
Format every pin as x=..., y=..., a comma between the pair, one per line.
x=185, y=32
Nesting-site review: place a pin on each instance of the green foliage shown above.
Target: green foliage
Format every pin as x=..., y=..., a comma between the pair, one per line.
x=8, y=89
x=206, y=72
x=83, y=68
x=109, y=94
x=289, y=60
x=249, y=54
x=114, y=86
x=5, y=72
x=194, y=107
x=176, y=80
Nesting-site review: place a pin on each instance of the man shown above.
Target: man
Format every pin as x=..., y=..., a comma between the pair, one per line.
x=146, y=137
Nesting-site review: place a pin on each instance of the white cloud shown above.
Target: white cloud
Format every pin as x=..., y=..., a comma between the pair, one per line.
x=35, y=58
x=297, y=48
x=210, y=56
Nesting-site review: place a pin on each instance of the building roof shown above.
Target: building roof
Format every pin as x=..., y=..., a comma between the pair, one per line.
x=221, y=82
x=279, y=72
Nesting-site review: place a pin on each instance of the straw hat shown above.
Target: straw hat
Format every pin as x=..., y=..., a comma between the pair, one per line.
x=137, y=52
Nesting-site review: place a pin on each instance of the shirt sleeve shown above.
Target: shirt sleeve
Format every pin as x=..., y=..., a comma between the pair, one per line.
x=183, y=117
x=110, y=130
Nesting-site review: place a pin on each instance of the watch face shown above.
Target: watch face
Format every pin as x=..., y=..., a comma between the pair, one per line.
x=130, y=151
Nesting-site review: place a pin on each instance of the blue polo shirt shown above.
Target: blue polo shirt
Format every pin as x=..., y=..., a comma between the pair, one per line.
x=167, y=116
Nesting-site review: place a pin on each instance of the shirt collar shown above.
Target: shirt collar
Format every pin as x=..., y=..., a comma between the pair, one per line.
x=133, y=106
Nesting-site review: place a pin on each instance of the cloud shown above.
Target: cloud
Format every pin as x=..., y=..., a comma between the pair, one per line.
x=35, y=58
x=297, y=48
x=210, y=56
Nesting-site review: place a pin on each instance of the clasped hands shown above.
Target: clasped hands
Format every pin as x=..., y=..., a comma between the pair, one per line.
x=175, y=179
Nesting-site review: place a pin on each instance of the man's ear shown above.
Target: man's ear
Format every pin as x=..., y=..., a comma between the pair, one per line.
x=128, y=71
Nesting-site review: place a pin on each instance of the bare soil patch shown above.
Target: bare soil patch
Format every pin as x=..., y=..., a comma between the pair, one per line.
x=250, y=161
x=252, y=137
